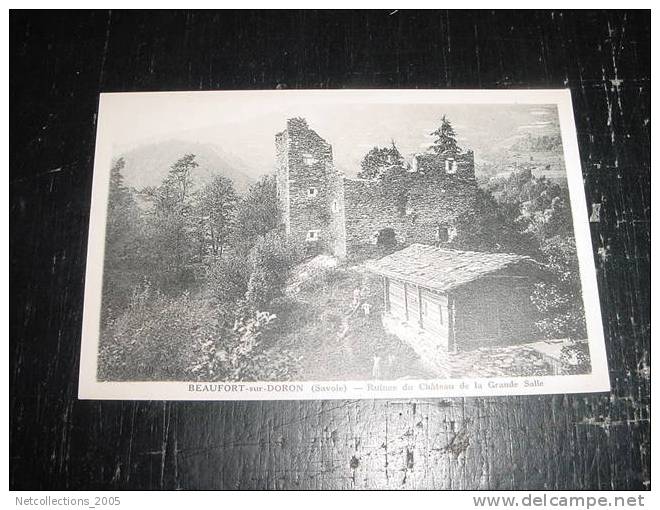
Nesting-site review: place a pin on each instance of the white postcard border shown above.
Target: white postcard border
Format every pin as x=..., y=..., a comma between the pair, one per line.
x=596, y=381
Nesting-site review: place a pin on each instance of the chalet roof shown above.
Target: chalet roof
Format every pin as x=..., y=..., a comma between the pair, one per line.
x=443, y=269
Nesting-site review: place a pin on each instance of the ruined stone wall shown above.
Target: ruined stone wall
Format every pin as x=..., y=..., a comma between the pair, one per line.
x=306, y=184
x=459, y=165
x=347, y=214
x=412, y=204
x=337, y=210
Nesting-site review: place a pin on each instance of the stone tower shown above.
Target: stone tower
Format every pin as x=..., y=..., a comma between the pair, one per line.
x=309, y=189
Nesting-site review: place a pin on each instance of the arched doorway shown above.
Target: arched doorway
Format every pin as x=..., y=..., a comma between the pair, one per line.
x=386, y=238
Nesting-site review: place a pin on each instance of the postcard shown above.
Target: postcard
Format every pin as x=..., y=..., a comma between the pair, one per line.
x=334, y=244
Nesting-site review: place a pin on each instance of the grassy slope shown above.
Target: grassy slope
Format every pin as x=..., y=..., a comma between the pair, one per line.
x=331, y=339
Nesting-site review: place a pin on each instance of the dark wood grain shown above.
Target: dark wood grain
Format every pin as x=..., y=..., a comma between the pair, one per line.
x=59, y=64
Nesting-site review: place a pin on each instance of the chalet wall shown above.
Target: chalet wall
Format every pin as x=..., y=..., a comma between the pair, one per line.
x=494, y=311
x=434, y=314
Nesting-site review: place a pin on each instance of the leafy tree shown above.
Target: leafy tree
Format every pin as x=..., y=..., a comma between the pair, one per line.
x=171, y=226
x=559, y=300
x=216, y=205
x=272, y=258
x=491, y=226
x=227, y=280
x=257, y=212
x=543, y=205
x=553, y=220
x=378, y=160
x=251, y=281
x=445, y=139
x=174, y=194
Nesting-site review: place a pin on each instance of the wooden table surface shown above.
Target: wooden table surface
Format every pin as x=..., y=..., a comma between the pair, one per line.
x=59, y=64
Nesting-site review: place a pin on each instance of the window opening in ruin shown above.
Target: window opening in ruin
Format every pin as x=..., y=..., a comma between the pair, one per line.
x=313, y=192
x=386, y=238
x=450, y=166
x=309, y=160
x=313, y=235
x=441, y=233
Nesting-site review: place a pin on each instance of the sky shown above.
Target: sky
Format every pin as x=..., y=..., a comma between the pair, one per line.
x=244, y=123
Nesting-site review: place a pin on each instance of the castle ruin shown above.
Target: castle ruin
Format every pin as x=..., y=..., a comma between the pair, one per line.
x=416, y=203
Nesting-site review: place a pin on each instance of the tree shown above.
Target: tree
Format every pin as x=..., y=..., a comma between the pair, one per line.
x=257, y=212
x=445, y=139
x=228, y=279
x=122, y=213
x=123, y=249
x=542, y=204
x=118, y=194
x=559, y=300
x=173, y=195
x=216, y=207
x=171, y=225
x=272, y=257
x=495, y=227
x=378, y=160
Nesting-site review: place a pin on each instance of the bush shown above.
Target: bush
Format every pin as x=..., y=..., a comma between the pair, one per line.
x=559, y=299
x=247, y=354
x=160, y=338
x=157, y=338
x=253, y=278
x=228, y=278
x=272, y=258
x=575, y=358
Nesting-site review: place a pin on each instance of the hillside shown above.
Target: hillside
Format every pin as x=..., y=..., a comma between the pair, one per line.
x=147, y=165
x=543, y=155
x=332, y=339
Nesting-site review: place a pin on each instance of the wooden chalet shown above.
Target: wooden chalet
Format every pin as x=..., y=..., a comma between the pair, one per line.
x=458, y=300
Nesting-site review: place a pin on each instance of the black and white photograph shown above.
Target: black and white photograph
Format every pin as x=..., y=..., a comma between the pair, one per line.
x=326, y=249
x=291, y=243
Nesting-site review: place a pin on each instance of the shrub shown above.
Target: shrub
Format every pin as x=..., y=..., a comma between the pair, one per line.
x=160, y=338
x=247, y=354
x=228, y=278
x=157, y=338
x=559, y=300
x=272, y=258
x=575, y=358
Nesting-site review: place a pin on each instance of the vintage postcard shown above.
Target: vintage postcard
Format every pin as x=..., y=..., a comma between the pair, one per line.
x=339, y=244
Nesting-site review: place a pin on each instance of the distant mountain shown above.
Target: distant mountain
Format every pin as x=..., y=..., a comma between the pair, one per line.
x=542, y=143
x=541, y=153
x=147, y=165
